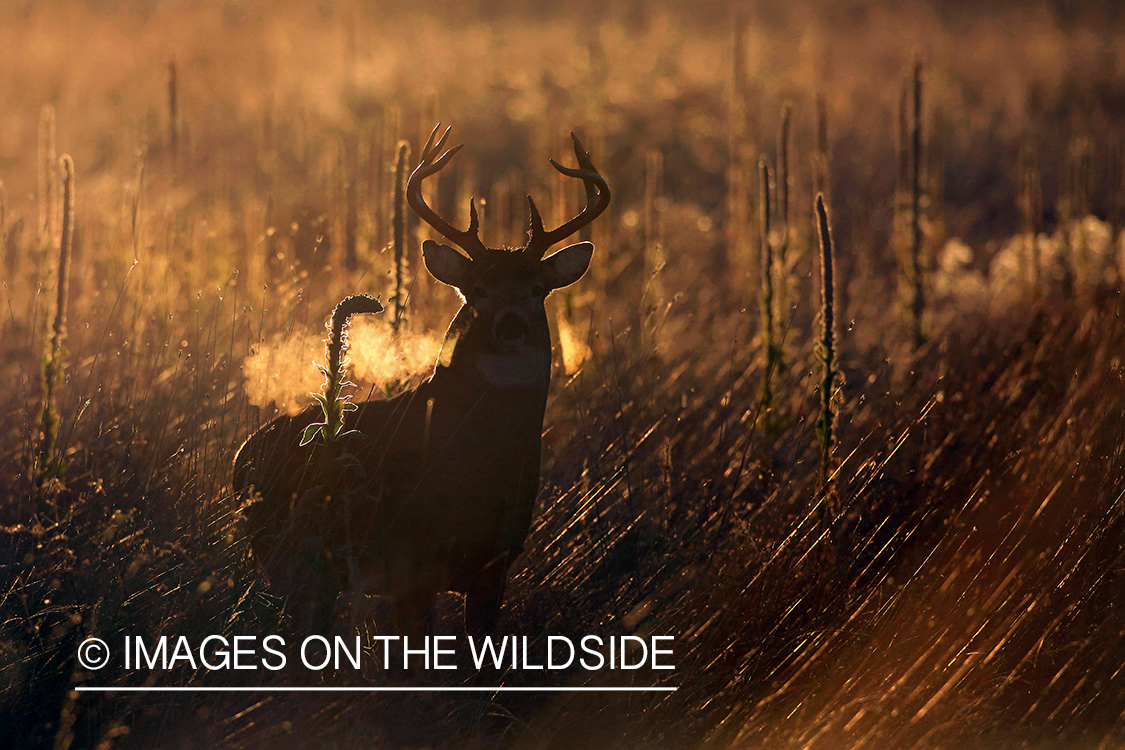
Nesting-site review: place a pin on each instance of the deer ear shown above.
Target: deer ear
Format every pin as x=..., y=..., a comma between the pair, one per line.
x=567, y=265
x=446, y=264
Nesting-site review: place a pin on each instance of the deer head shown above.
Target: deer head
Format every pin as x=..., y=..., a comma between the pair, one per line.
x=504, y=288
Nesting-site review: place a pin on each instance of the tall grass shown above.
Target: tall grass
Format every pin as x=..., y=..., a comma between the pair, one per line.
x=174, y=129
x=771, y=350
x=10, y=259
x=402, y=173
x=350, y=167
x=826, y=425
x=917, y=268
x=49, y=465
x=48, y=177
x=653, y=294
x=785, y=234
x=1031, y=214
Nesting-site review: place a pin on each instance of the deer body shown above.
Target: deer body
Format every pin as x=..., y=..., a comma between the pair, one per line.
x=435, y=488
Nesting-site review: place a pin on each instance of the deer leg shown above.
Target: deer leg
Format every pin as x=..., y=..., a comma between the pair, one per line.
x=314, y=612
x=482, y=579
x=412, y=614
x=413, y=623
x=410, y=588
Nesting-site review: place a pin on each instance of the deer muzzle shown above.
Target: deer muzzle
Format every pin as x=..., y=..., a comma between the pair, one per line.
x=511, y=327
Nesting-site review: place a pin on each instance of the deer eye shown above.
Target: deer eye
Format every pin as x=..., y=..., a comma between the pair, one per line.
x=539, y=290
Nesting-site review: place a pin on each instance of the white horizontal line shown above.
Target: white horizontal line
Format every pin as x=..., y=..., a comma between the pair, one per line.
x=371, y=689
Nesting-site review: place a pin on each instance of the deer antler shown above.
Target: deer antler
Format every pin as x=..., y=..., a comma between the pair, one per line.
x=469, y=241
x=597, y=198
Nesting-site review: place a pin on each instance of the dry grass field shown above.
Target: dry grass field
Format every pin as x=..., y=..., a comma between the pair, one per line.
x=957, y=582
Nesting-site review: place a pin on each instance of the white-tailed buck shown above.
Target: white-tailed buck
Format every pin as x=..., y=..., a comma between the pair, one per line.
x=434, y=489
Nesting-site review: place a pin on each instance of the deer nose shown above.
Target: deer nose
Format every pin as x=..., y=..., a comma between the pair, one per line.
x=511, y=327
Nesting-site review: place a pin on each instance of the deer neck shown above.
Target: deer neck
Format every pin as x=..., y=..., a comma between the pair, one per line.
x=513, y=381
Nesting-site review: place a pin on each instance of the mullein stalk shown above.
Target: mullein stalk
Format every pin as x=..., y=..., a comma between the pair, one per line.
x=269, y=241
x=500, y=203
x=902, y=222
x=173, y=114
x=1067, y=217
x=784, y=179
x=48, y=183
x=351, y=208
x=400, y=235
x=769, y=341
x=1116, y=190
x=1031, y=210
x=376, y=177
x=654, y=251
x=739, y=168
x=784, y=183
x=826, y=427
x=334, y=403
x=918, y=301
x=934, y=185
x=1079, y=208
x=321, y=439
x=902, y=182
x=11, y=259
x=821, y=159
x=135, y=208
x=48, y=465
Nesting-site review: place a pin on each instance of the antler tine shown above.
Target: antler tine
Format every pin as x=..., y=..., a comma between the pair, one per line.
x=469, y=241
x=434, y=148
x=597, y=198
x=473, y=220
x=430, y=140
x=534, y=220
